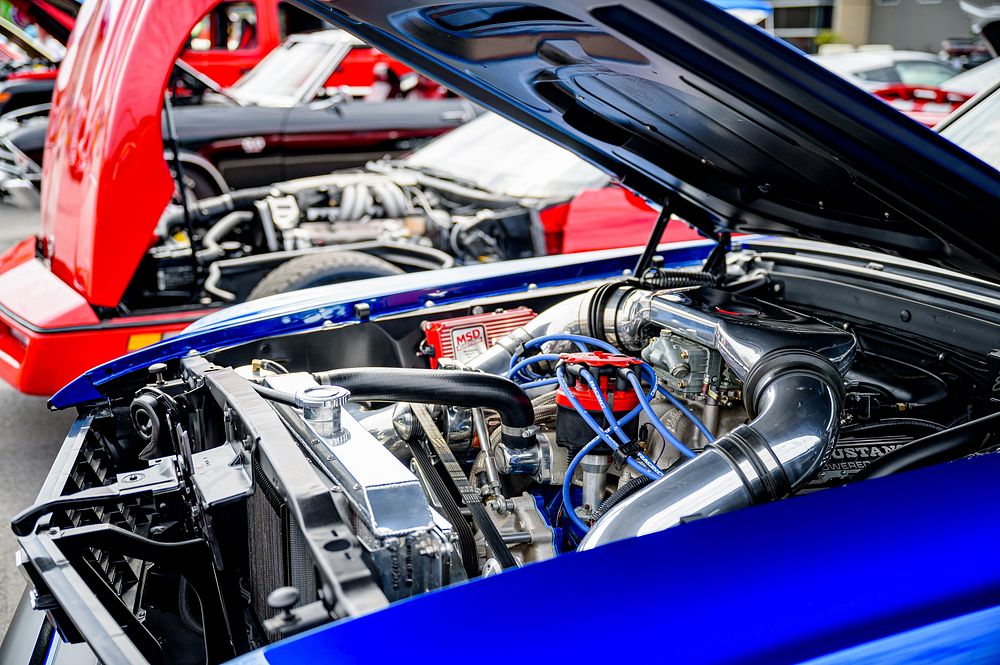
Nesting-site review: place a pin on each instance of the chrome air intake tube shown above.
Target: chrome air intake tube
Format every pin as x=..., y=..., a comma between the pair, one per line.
x=743, y=330
x=798, y=407
x=563, y=317
x=791, y=367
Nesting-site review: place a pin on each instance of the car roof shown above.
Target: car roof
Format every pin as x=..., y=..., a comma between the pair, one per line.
x=976, y=79
x=858, y=61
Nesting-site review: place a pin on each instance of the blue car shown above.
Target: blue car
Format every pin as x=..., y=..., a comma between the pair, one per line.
x=777, y=445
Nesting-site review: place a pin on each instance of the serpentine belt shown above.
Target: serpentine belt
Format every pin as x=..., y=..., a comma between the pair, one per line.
x=465, y=489
x=466, y=539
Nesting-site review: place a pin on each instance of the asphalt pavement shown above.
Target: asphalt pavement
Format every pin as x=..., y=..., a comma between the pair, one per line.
x=29, y=437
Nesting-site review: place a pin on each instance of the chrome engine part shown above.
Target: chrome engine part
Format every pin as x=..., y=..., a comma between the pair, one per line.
x=791, y=367
x=410, y=545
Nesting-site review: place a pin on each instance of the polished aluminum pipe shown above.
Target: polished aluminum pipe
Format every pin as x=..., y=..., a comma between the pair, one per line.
x=791, y=367
x=784, y=446
x=741, y=329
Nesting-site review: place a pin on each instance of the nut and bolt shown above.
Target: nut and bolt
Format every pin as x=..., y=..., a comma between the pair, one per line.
x=157, y=370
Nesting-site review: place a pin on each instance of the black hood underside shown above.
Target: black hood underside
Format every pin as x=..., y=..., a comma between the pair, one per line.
x=733, y=129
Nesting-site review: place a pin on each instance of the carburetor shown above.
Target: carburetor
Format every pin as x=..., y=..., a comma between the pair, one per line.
x=689, y=369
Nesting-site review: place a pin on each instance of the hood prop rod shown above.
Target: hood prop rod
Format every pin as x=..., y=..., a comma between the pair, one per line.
x=168, y=112
x=715, y=263
x=646, y=260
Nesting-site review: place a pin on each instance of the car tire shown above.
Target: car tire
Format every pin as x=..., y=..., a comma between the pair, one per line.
x=322, y=269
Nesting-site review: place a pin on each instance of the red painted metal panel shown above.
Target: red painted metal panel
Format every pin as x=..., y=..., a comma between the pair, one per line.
x=589, y=222
x=106, y=183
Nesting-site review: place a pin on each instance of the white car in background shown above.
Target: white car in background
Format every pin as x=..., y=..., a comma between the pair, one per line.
x=874, y=69
x=921, y=85
x=972, y=81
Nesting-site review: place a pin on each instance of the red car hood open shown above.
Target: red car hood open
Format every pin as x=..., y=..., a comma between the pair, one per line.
x=105, y=180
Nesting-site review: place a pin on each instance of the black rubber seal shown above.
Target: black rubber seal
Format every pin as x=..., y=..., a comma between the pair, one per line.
x=781, y=362
x=742, y=444
x=595, y=314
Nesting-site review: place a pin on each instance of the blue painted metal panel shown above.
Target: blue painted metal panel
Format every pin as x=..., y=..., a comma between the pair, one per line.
x=757, y=5
x=779, y=583
x=972, y=639
x=312, y=309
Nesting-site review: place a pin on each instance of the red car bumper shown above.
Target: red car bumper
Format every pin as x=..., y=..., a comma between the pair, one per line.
x=49, y=334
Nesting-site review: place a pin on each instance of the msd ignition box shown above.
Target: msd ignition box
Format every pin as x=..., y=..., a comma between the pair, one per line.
x=465, y=337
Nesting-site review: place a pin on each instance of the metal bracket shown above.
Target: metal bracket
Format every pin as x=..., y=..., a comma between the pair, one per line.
x=160, y=477
x=715, y=262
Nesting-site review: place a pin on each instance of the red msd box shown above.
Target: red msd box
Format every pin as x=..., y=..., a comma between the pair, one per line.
x=465, y=337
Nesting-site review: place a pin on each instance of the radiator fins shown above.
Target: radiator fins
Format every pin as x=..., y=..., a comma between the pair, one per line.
x=278, y=551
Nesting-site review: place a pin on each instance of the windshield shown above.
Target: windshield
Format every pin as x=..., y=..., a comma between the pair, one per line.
x=281, y=78
x=978, y=130
x=501, y=157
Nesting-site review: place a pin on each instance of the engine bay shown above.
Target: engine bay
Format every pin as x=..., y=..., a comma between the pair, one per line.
x=225, y=501
x=386, y=220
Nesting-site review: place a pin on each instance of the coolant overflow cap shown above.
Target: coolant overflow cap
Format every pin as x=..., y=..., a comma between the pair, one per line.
x=320, y=397
x=321, y=408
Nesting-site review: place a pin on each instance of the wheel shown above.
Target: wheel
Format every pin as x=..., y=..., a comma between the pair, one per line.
x=321, y=269
x=198, y=186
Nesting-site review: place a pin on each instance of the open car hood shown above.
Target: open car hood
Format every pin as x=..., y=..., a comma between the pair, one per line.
x=686, y=104
x=105, y=183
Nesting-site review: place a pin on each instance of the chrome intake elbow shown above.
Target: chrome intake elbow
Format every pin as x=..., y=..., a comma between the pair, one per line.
x=563, y=318
x=795, y=398
x=743, y=330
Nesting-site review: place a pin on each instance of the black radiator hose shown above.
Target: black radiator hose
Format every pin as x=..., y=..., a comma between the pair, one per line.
x=939, y=447
x=241, y=199
x=447, y=387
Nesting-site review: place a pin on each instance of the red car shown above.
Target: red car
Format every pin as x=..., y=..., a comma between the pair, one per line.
x=225, y=43
x=232, y=37
x=110, y=272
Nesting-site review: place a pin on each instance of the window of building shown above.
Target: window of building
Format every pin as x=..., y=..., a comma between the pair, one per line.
x=800, y=22
x=230, y=26
x=817, y=17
